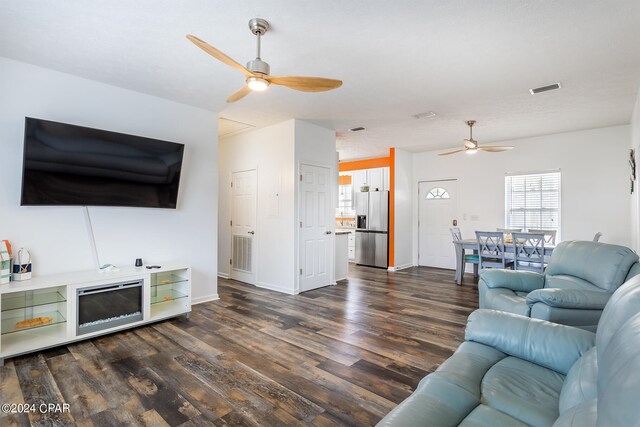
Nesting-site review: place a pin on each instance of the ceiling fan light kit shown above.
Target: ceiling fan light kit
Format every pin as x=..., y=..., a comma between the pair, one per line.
x=471, y=145
x=257, y=77
x=258, y=84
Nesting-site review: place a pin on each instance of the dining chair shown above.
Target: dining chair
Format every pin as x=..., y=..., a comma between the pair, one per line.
x=597, y=237
x=528, y=251
x=491, y=250
x=468, y=258
x=549, y=235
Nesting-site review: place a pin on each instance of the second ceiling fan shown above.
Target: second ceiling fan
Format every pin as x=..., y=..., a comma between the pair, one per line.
x=257, y=71
x=471, y=145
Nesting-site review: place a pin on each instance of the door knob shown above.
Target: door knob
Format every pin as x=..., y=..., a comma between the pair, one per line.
x=252, y=232
x=455, y=222
x=327, y=232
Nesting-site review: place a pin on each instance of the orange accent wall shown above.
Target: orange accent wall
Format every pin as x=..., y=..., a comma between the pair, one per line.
x=392, y=205
x=344, y=180
x=380, y=162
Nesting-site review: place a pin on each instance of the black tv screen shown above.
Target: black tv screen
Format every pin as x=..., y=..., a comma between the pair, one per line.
x=78, y=166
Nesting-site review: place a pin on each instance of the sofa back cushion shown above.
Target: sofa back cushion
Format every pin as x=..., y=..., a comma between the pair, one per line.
x=580, y=385
x=633, y=271
x=622, y=306
x=619, y=376
x=602, y=264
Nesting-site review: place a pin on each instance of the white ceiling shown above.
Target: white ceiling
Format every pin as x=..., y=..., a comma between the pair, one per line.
x=463, y=59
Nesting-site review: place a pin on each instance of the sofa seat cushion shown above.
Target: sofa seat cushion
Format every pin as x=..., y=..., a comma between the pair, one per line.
x=484, y=416
x=504, y=299
x=523, y=390
x=563, y=281
x=446, y=396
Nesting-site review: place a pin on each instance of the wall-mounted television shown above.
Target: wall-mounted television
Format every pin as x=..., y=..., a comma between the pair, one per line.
x=69, y=165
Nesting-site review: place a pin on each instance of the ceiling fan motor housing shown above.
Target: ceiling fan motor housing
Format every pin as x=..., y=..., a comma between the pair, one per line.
x=258, y=66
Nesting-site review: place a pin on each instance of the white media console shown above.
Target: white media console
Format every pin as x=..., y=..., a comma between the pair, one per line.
x=53, y=310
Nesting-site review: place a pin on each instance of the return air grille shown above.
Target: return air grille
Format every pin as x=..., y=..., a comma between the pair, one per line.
x=541, y=89
x=242, y=253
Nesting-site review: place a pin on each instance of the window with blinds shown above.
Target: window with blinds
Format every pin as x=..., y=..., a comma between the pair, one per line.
x=532, y=201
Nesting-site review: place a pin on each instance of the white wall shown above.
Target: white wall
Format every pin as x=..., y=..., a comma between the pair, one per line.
x=595, y=181
x=315, y=145
x=276, y=152
x=270, y=150
x=403, y=193
x=635, y=199
x=56, y=236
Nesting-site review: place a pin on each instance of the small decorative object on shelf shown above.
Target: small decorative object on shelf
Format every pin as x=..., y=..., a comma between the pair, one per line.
x=5, y=261
x=138, y=262
x=36, y=321
x=364, y=188
x=22, y=265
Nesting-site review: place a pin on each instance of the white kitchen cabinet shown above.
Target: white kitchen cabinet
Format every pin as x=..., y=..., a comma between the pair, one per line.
x=386, y=182
x=359, y=178
x=375, y=179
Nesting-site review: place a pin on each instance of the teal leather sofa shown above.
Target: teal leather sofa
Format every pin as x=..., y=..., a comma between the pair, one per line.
x=516, y=371
x=578, y=282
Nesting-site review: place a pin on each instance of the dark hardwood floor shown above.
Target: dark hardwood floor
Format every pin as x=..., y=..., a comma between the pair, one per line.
x=340, y=355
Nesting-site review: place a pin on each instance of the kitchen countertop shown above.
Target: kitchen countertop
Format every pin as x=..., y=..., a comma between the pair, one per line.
x=342, y=232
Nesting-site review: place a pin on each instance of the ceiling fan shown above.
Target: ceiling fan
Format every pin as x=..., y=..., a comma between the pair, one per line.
x=257, y=71
x=471, y=145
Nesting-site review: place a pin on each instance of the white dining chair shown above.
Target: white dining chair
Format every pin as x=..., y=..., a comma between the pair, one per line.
x=491, y=250
x=549, y=235
x=528, y=251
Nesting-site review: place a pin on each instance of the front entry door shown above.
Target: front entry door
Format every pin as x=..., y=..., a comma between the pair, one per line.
x=316, y=227
x=437, y=209
x=243, y=226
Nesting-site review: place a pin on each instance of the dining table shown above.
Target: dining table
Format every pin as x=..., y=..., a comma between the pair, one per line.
x=472, y=245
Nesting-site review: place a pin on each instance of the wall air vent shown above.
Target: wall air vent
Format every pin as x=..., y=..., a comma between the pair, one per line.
x=358, y=129
x=541, y=89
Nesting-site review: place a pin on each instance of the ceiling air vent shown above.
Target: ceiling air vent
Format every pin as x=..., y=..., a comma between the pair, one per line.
x=358, y=129
x=541, y=89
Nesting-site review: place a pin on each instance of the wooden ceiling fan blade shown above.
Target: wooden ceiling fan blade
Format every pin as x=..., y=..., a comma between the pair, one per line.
x=452, y=152
x=494, y=149
x=305, y=84
x=219, y=55
x=244, y=91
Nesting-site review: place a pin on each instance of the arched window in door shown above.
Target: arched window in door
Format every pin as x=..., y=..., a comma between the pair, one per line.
x=438, y=193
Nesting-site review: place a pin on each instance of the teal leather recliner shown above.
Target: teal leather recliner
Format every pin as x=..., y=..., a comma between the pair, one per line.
x=578, y=282
x=517, y=371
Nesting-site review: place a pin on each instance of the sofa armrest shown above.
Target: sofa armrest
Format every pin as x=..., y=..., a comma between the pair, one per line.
x=551, y=345
x=569, y=298
x=523, y=281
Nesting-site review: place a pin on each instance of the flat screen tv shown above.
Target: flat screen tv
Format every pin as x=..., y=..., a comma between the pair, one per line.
x=68, y=165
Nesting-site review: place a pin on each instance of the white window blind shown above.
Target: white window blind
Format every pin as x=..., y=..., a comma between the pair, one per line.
x=532, y=201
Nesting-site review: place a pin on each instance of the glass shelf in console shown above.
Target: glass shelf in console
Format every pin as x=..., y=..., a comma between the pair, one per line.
x=167, y=279
x=14, y=324
x=20, y=300
x=166, y=295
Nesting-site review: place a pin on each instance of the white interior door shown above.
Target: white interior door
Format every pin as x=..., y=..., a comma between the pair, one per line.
x=437, y=209
x=243, y=226
x=316, y=227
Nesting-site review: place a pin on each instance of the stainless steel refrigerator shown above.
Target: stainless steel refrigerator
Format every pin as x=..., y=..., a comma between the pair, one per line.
x=372, y=227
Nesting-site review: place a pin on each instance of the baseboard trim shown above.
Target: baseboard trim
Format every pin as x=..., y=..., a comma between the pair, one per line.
x=205, y=298
x=400, y=267
x=274, y=288
x=223, y=275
